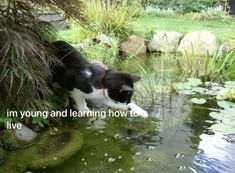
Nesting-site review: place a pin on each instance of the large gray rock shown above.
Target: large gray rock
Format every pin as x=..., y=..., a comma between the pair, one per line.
x=104, y=39
x=133, y=46
x=198, y=43
x=165, y=41
x=226, y=47
x=57, y=20
x=24, y=134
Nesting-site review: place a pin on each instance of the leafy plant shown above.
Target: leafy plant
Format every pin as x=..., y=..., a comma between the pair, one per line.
x=213, y=68
x=108, y=17
x=25, y=53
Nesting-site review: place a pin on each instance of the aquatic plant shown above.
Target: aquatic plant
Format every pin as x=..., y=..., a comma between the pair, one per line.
x=211, y=68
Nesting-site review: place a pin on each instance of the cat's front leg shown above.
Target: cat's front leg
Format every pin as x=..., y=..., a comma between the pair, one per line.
x=80, y=100
x=137, y=110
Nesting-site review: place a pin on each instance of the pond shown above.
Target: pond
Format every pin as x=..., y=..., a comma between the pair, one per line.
x=176, y=138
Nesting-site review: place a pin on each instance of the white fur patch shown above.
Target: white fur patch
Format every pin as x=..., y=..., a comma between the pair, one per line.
x=88, y=73
x=138, y=110
x=102, y=96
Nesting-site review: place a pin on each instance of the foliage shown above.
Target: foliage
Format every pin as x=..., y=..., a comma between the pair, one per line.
x=213, y=68
x=110, y=17
x=107, y=55
x=185, y=6
x=25, y=53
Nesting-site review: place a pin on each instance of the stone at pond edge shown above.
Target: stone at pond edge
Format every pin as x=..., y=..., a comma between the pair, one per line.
x=103, y=39
x=24, y=134
x=200, y=43
x=165, y=41
x=133, y=46
x=48, y=151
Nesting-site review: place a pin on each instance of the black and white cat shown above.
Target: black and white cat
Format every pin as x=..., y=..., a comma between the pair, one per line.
x=88, y=81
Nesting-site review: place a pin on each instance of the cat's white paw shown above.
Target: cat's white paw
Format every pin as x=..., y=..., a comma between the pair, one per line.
x=138, y=110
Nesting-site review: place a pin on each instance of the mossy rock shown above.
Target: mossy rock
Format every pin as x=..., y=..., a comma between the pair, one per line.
x=48, y=151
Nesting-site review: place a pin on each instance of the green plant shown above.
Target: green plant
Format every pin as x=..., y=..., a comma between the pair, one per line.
x=214, y=68
x=110, y=17
x=107, y=55
x=25, y=52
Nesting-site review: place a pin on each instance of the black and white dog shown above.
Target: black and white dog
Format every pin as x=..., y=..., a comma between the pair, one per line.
x=88, y=81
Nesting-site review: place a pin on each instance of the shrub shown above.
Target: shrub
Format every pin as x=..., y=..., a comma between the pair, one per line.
x=110, y=17
x=185, y=6
x=25, y=54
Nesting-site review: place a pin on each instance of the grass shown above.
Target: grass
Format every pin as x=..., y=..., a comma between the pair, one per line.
x=143, y=25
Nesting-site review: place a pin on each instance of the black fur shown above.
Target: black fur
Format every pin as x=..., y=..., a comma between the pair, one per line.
x=71, y=75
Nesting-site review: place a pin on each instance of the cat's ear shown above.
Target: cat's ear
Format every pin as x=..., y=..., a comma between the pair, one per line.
x=135, y=78
x=125, y=88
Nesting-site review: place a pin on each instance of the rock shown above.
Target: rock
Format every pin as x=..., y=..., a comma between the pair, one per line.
x=8, y=141
x=133, y=45
x=226, y=48
x=198, y=43
x=165, y=41
x=104, y=40
x=48, y=151
x=57, y=20
x=99, y=63
x=24, y=134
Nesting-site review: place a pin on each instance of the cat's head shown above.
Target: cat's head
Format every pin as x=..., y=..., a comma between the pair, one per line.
x=120, y=86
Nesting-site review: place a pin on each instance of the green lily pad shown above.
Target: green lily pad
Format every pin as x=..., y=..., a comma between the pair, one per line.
x=226, y=104
x=223, y=128
x=211, y=83
x=210, y=92
x=194, y=81
x=184, y=86
x=216, y=115
x=228, y=112
x=186, y=92
x=199, y=89
x=229, y=122
x=198, y=101
x=229, y=84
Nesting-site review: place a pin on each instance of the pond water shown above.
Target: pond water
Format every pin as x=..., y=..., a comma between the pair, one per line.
x=176, y=138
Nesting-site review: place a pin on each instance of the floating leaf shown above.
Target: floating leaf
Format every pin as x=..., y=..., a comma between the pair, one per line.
x=184, y=86
x=186, y=92
x=229, y=84
x=198, y=101
x=216, y=115
x=199, y=89
x=211, y=84
x=229, y=122
x=194, y=81
x=226, y=104
x=223, y=128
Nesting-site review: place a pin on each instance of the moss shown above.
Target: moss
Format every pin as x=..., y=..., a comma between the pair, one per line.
x=8, y=140
x=48, y=151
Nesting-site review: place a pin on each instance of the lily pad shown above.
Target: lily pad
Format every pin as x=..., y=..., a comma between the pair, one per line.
x=216, y=115
x=194, y=81
x=184, y=86
x=226, y=104
x=229, y=122
x=186, y=92
x=198, y=101
x=211, y=84
x=200, y=90
x=223, y=128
